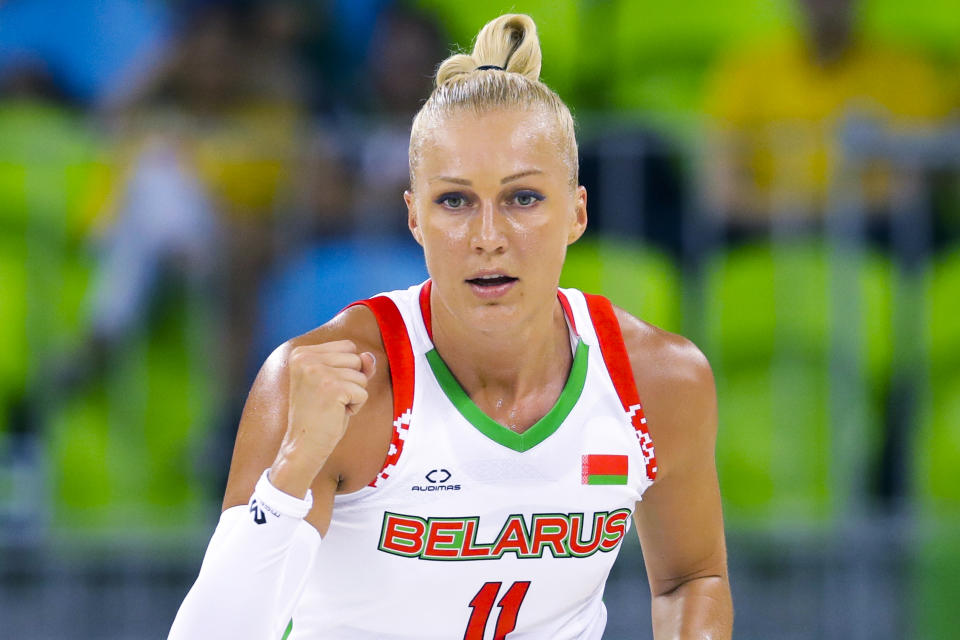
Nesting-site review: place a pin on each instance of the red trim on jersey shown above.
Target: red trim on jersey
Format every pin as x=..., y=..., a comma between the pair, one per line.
x=428, y=316
x=425, y=307
x=396, y=342
x=617, y=359
x=567, y=310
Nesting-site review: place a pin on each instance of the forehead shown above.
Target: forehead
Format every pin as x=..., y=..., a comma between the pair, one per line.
x=496, y=143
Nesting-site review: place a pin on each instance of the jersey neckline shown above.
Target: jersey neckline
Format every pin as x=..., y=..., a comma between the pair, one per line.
x=541, y=430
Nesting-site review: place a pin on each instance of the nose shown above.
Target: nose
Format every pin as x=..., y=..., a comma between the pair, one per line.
x=488, y=234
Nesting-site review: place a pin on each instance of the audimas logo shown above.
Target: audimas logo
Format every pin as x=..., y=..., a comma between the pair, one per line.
x=437, y=480
x=438, y=475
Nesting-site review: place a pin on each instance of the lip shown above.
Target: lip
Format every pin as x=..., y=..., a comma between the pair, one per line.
x=483, y=273
x=490, y=292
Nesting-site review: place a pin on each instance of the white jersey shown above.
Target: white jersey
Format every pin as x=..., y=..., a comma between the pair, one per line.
x=474, y=531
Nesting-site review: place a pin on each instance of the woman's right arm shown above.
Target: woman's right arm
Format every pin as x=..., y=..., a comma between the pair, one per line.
x=260, y=554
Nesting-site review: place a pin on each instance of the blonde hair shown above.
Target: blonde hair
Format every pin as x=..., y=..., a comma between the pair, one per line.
x=509, y=42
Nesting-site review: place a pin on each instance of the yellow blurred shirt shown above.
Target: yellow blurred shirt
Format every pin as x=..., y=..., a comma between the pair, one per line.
x=780, y=110
x=247, y=161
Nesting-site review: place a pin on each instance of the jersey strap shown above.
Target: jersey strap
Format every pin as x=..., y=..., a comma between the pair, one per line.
x=617, y=360
x=400, y=357
x=568, y=311
x=425, y=307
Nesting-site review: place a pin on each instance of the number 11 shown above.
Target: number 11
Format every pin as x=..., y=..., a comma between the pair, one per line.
x=482, y=605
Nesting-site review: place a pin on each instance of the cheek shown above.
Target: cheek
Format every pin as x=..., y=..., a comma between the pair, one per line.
x=542, y=234
x=442, y=244
x=443, y=233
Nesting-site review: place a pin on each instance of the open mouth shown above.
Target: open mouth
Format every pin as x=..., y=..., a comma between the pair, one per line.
x=492, y=280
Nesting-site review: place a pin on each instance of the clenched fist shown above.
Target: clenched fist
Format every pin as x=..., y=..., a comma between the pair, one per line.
x=328, y=384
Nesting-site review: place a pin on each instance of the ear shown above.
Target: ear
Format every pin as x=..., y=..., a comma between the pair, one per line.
x=578, y=223
x=413, y=222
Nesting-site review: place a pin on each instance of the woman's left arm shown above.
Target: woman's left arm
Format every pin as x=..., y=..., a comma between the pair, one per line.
x=680, y=519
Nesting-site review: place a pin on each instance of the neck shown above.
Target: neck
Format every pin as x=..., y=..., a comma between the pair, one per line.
x=500, y=369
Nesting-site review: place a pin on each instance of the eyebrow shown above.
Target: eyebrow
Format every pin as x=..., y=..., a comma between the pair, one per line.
x=467, y=183
x=522, y=174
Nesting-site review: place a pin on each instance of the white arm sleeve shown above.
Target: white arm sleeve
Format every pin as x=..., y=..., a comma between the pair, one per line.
x=254, y=570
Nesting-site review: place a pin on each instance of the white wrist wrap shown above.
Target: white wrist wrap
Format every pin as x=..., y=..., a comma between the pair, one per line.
x=252, y=575
x=268, y=501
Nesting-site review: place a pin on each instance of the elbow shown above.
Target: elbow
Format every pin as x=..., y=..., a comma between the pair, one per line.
x=701, y=608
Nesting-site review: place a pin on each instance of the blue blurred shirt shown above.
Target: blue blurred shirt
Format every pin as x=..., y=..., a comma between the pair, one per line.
x=316, y=284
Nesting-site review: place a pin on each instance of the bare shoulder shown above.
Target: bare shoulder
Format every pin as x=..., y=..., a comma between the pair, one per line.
x=676, y=389
x=661, y=357
x=264, y=419
x=356, y=323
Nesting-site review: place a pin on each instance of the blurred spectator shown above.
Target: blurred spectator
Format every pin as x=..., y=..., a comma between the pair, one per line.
x=166, y=221
x=339, y=50
x=215, y=131
x=399, y=74
x=349, y=190
x=776, y=108
x=209, y=141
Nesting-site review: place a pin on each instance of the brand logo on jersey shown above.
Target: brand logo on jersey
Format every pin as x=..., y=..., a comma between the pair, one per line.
x=438, y=475
x=437, y=479
x=564, y=535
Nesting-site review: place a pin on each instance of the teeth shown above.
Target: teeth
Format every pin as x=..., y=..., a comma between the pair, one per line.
x=496, y=278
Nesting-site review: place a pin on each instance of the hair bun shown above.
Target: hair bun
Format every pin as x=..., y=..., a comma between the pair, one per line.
x=509, y=42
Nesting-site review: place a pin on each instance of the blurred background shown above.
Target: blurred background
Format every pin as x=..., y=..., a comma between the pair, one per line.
x=185, y=184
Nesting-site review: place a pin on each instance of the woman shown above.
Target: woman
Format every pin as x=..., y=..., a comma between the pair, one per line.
x=470, y=450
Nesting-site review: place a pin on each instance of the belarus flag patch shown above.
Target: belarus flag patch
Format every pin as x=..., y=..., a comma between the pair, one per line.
x=604, y=469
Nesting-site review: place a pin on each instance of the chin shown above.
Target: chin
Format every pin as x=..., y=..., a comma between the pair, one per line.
x=494, y=316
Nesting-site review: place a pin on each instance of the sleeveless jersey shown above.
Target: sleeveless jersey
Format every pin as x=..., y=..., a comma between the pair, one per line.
x=472, y=530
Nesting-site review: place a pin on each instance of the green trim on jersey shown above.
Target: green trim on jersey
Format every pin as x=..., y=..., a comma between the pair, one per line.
x=286, y=634
x=606, y=479
x=500, y=434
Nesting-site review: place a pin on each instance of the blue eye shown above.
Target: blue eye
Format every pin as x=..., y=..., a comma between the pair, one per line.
x=527, y=198
x=452, y=200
